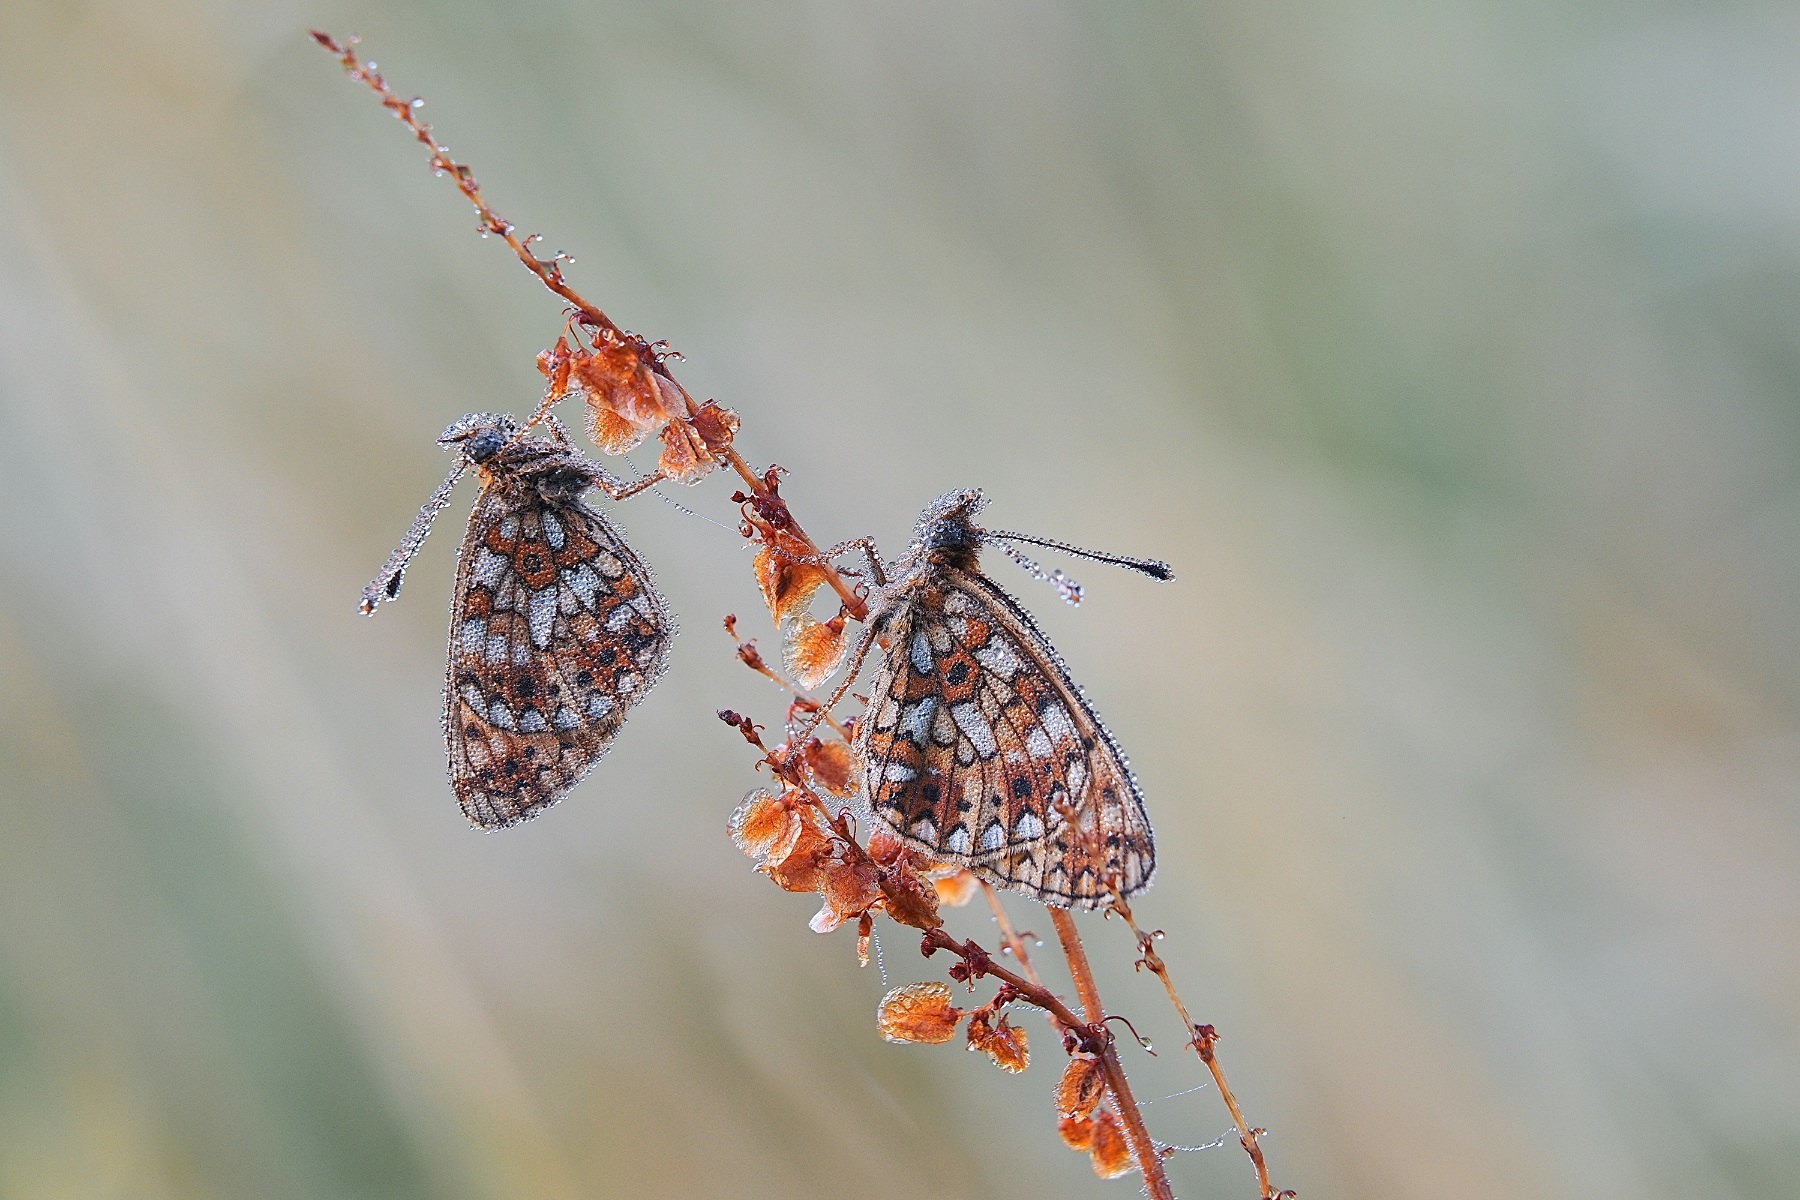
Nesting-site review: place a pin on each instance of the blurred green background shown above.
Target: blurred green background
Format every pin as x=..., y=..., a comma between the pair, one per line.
x=1447, y=350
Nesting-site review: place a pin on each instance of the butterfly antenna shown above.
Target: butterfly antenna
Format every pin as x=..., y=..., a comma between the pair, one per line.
x=386, y=586
x=1153, y=567
x=1065, y=587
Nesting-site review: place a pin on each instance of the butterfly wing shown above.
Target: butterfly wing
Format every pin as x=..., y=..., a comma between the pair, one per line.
x=556, y=631
x=978, y=748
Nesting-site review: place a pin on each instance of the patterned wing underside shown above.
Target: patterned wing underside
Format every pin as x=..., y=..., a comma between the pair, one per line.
x=556, y=631
x=978, y=746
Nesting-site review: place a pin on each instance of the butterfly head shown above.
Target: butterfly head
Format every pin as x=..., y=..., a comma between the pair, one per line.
x=480, y=436
x=947, y=532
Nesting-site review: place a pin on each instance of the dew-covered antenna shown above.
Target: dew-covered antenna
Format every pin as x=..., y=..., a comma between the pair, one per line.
x=386, y=586
x=1066, y=587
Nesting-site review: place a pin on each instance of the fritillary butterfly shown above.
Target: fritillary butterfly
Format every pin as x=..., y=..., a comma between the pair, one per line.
x=977, y=748
x=556, y=629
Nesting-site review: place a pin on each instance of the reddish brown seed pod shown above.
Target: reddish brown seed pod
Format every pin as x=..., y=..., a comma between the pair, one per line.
x=918, y=1012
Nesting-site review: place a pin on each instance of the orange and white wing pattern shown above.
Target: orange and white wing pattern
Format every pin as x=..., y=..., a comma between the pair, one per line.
x=556, y=632
x=979, y=750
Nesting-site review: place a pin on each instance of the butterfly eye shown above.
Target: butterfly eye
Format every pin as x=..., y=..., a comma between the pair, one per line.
x=484, y=445
x=950, y=534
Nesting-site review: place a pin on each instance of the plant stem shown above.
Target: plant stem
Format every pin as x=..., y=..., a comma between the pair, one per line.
x=1008, y=936
x=1203, y=1038
x=1143, y=1147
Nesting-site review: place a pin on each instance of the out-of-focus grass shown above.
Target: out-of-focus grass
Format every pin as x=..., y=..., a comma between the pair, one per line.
x=1448, y=352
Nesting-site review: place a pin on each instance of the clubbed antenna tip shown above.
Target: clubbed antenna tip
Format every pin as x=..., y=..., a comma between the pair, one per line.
x=1153, y=567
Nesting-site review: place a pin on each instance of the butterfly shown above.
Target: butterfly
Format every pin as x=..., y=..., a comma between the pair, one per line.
x=556, y=629
x=977, y=748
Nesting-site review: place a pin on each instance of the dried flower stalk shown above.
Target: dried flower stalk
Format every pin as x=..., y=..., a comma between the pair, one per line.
x=1202, y=1038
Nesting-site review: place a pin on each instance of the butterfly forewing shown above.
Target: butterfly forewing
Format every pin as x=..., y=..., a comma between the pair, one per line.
x=556, y=631
x=978, y=749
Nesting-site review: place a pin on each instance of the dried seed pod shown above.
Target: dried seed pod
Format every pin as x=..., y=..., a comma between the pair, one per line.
x=1001, y=1041
x=1082, y=1085
x=1110, y=1153
x=685, y=457
x=716, y=425
x=849, y=884
x=787, y=584
x=907, y=898
x=1077, y=1133
x=803, y=868
x=620, y=375
x=918, y=1012
x=611, y=432
x=765, y=826
x=955, y=886
x=830, y=763
x=813, y=649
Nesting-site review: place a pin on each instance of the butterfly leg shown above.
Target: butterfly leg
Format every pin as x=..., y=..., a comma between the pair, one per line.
x=605, y=481
x=558, y=434
x=551, y=399
x=825, y=559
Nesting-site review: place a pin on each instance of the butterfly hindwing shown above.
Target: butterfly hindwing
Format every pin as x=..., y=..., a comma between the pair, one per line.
x=977, y=748
x=556, y=631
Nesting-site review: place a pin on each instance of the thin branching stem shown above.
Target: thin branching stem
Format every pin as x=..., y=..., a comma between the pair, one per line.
x=751, y=657
x=1143, y=1147
x=1203, y=1039
x=1014, y=944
